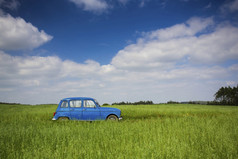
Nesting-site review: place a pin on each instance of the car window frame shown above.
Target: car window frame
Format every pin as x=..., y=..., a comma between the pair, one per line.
x=95, y=105
x=75, y=100
x=64, y=101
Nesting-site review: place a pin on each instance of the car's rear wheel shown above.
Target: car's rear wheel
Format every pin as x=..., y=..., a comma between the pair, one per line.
x=112, y=118
x=63, y=118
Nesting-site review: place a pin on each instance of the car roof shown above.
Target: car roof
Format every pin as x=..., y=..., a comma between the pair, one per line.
x=78, y=98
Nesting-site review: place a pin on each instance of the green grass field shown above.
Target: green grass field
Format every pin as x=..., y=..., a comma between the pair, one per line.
x=147, y=131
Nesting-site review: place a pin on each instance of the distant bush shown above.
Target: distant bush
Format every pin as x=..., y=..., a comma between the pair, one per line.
x=172, y=102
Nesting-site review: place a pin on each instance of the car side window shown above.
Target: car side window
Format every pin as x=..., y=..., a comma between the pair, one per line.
x=64, y=104
x=89, y=104
x=75, y=103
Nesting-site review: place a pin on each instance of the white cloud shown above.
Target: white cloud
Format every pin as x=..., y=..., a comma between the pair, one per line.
x=102, y=6
x=142, y=3
x=221, y=44
x=191, y=27
x=230, y=6
x=208, y=6
x=97, y=6
x=188, y=43
x=23, y=76
x=182, y=62
x=17, y=34
x=10, y=4
x=124, y=2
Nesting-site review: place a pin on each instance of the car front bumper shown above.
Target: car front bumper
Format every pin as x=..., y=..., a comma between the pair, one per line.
x=53, y=119
x=120, y=118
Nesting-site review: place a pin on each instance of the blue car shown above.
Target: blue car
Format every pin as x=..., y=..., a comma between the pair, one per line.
x=84, y=108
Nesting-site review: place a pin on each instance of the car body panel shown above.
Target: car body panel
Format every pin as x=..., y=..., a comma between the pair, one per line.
x=84, y=108
x=75, y=113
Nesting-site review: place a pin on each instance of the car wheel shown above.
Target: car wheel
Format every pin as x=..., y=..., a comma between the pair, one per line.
x=63, y=118
x=112, y=118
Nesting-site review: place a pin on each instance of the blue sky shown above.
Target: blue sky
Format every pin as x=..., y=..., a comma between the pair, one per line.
x=117, y=50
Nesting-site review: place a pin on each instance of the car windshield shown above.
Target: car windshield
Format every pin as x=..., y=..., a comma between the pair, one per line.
x=97, y=102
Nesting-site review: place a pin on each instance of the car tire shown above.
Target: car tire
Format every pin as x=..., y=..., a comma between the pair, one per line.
x=63, y=118
x=112, y=118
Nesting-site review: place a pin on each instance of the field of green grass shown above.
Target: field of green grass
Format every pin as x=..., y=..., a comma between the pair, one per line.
x=146, y=131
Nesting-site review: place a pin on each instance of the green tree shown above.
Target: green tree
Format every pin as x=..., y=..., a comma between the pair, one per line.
x=227, y=95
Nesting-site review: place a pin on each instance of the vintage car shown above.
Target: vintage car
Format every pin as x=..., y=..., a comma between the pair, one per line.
x=84, y=108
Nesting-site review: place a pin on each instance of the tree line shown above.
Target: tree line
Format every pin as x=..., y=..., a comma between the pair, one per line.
x=134, y=103
x=224, y=96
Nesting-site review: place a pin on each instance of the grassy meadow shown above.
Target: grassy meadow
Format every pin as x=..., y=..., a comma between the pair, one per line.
x=146, y=131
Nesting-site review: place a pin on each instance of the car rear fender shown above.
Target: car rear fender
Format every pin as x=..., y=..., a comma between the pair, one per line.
x=62, y=114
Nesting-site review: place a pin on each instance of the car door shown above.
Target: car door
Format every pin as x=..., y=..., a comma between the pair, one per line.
x=90, y=110
x=75, y=107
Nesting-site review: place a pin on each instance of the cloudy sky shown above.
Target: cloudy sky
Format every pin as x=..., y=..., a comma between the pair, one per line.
x=117, y=50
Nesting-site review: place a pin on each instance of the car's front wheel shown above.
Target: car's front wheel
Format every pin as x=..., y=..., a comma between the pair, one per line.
x=112, y=118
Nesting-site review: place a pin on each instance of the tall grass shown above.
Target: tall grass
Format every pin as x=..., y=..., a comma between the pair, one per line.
x=149, y=131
